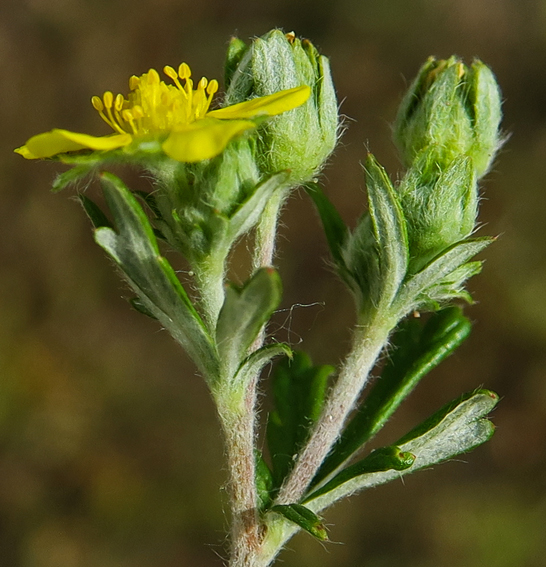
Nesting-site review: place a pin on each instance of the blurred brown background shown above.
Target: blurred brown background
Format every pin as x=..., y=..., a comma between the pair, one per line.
x=109, y=450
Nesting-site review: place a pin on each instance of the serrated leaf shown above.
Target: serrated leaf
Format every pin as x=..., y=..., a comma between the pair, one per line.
x=414, y=291
x=243, y=315
x=70, y=176
x=457, y=428
x=452, y=286
x=94, y=212
x=299, y=391
x=389, y=228
x=383, y=459
x=334, y=228
x=304, y=518
x=417, y=348
x=134, y=248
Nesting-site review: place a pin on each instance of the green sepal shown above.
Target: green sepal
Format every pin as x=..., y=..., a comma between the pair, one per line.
x=243, y=315
x=390, y=232
x=299, y=391
x=419, y=290
x=304, y=518
x=264, y=482
x=334, y=228
x=72, y=175
x=134, y=248
x=457, y=428
x=248, y=213
x=235, y=52
x=376, y=253
x=94, y=212
x=417, y=348
x=380, y=460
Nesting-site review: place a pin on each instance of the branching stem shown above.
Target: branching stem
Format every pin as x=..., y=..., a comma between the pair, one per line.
x=368, y=343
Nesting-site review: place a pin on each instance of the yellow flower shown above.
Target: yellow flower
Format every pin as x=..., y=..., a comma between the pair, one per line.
x=175, y=118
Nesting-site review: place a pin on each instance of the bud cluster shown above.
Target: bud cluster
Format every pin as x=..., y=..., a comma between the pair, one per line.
x=447, y=131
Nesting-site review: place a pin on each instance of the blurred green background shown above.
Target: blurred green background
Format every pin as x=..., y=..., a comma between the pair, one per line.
x=110, y=454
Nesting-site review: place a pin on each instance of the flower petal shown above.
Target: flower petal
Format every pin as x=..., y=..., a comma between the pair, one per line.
x=59, y=141
x=269, y=105
x=203, y=139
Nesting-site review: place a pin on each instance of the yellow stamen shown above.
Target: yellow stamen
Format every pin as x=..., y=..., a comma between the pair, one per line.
x=108, y=99
x=184, y=71
x=154, y=106
x=98, y=105
x=212, y=87
x=128, y=116
x=153, y=77
x=172, y=74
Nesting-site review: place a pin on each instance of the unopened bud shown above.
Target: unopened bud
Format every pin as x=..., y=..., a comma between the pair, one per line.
x=456, y=109
x=299, y=140
x=440, y=208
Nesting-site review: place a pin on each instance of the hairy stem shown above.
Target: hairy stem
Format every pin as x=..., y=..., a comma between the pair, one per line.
x=238, y=421
x=368, y=342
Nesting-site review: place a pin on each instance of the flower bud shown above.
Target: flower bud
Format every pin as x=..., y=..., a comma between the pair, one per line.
x=440, y=207
x=299, y=140
x=455, y=108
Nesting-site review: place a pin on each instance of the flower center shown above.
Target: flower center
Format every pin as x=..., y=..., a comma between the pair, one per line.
x=152, y=106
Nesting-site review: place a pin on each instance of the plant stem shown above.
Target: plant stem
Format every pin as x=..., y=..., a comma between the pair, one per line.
x=237, y=416
x=368, y=341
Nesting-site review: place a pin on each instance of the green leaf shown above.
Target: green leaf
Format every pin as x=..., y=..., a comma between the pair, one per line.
x=71, y=176
x=134, y=248
x=419, y=289
x=390, y=231
x=264, y=482
x=94, y=212
x=299, y=391
x=253, y=364
x=138, y=305
x=249, y=212
x=243, y=315
x=334, y=228
x=417, y=348
x=380, y=460
x=304, y=518
x=452, y=286
x=457, y=428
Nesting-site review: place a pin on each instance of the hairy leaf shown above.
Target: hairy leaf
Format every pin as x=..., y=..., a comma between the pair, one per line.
x=133, y=247
x=304, y=518
x=457, y=428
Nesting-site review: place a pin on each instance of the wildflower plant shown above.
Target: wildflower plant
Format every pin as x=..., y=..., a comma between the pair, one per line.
x=219, y=174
